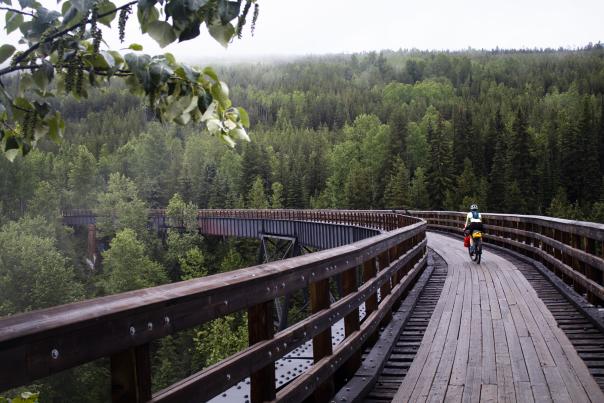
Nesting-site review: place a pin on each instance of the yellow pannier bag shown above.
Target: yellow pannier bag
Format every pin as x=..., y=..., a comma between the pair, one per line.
x=477, y=235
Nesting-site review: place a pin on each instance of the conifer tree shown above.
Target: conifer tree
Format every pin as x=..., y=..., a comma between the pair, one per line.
x=497, y=183
x=514, y=200
x=256, y=197
x=419, y=190
x=397, y=191
x=521, y=164
x=601, y=137
x=357, y=188
x=467, y=188
x=277, y=195
x=294, y=191
x=570, y=151
x=439, y=175
x=463, y=138
x=588, y=170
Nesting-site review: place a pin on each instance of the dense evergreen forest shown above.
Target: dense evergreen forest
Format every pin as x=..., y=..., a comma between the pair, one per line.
x=513, y=131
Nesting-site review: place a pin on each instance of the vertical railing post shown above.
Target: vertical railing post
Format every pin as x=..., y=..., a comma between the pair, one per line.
x=260, y=327
x=131, y=375
x=384, y=261
x=576, y=264
x=321, y=343
x=567, y=240
x=590, y=271
x=351, y=324
x=371, y=304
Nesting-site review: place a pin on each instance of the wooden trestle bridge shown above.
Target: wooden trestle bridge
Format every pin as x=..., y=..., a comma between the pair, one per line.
x=418, y=321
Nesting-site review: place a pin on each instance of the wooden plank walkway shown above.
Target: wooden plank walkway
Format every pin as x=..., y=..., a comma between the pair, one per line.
x=491, y=339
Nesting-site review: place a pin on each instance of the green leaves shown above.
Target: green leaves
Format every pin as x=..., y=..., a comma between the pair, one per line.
x=220, y=92
x=6, y=51
x=160, y=72
x=162, y=32
x=105, y=7
x=195, y=5
x=146, y=16
x=190, y=32
x=139, y=66
x=44, y=75
x=145, y=4
x=82, y=6
x=13, y=21
x=228, y=10
x=56, y=127
x=24, y=397
x=26, y=3
x=65, y=58
x=244, y=117
x=222, y=33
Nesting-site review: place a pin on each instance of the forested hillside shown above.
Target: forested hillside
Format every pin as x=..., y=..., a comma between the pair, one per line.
x=513, y=131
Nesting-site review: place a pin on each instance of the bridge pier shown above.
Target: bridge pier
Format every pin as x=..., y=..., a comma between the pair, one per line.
x=91, y=245
x=284, y=248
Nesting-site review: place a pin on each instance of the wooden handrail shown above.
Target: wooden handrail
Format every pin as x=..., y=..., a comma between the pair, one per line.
x=40, y=343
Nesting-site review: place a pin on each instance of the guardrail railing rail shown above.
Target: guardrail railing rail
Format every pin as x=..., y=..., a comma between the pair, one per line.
x=40, y=343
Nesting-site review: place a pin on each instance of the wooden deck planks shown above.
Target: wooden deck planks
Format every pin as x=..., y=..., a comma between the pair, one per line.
x=491, y=339
x=439, y=387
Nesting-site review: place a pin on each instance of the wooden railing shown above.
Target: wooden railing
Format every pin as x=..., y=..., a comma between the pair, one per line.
x=40, y=343
x=574, y=250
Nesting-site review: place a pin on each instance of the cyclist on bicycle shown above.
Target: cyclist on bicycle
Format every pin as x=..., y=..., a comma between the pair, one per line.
x=473, y=223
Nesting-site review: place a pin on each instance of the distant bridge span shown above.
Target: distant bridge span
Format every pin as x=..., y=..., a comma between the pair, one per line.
x=516, y=340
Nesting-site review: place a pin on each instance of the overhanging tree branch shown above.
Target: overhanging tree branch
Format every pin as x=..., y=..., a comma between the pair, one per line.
x=18, y=11
x=51, y=37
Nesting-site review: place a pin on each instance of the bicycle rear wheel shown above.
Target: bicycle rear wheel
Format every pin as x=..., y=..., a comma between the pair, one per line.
x=478, y=251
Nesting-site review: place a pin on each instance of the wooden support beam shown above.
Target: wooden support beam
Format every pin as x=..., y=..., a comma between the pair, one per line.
x=260, y=327
x=321, y=343
x=369, y=271
x=384, y=261
x=131, y=375
x=351, y=325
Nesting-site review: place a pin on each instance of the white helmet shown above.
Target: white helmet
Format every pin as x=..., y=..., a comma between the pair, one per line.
x=473, y=207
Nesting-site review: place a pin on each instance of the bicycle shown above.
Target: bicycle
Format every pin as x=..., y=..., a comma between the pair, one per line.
x=477, y=255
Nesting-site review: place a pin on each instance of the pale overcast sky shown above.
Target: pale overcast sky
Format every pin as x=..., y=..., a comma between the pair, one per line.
x=335, y=26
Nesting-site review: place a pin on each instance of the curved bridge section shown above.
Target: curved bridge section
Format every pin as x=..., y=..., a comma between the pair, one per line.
x=573, y=250
x=319, y=229
x=375, y=272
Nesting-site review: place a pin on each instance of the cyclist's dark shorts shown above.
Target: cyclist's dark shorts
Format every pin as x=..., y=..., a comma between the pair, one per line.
x=475, y=226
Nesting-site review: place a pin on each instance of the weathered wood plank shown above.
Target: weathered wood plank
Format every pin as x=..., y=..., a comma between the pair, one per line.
x=488, y=393
x=505, y=380
x=414, y=372
x=443, y=373
x=458, y=373
x=471, y=392
x=518, y=364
